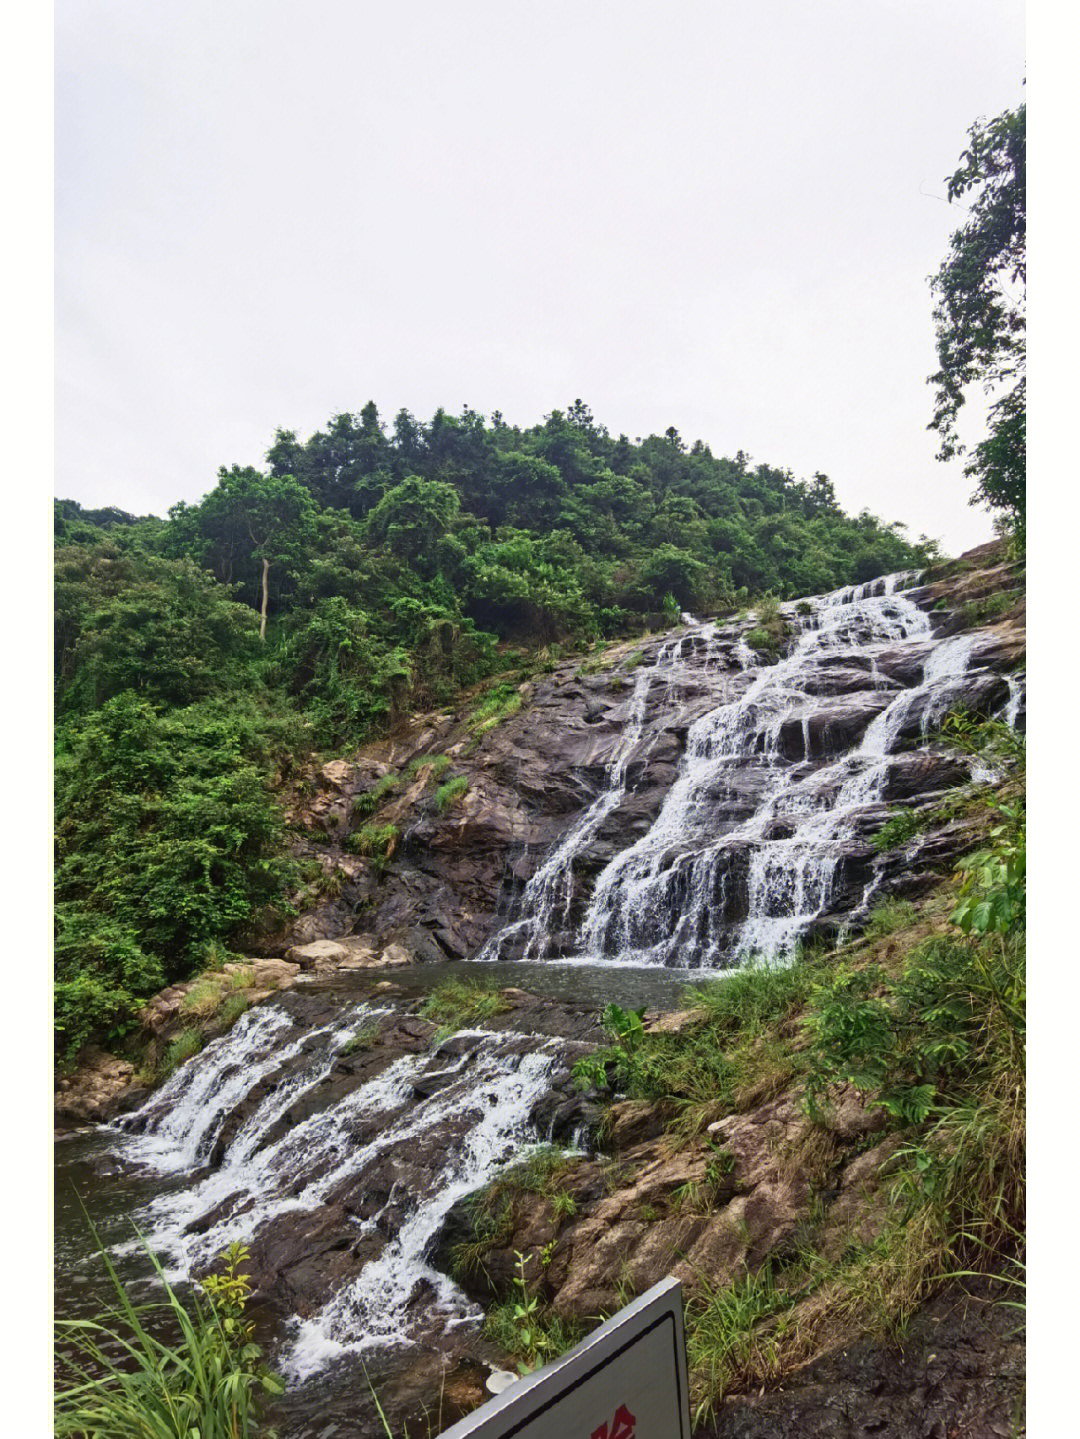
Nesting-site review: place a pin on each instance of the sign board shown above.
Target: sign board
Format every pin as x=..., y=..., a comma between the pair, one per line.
x=627, y=1380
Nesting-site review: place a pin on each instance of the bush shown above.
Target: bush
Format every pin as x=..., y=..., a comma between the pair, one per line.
x=166, y=841
x=759, y=639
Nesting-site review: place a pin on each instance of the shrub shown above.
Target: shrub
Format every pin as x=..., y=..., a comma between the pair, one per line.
x=760, y=639
x=449, y=793
x=901, y=827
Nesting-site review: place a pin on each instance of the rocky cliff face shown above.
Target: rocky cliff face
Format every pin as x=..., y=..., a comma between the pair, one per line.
x=595, y=749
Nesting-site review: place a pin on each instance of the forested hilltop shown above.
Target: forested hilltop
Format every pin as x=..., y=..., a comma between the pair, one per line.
x=361, y=576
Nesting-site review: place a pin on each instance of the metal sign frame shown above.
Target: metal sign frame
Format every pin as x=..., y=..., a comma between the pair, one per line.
x=592, y=1378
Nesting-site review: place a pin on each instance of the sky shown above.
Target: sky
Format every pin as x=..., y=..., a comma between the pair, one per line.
x=717, y=216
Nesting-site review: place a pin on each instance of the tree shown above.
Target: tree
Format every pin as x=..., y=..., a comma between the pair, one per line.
x=979, y=316
x=248, y=517
x=412, y=517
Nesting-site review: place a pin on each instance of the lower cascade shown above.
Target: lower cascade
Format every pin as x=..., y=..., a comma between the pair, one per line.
x=259, y=1135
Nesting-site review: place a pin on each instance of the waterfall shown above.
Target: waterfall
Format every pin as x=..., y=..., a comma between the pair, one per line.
x=375, y=1310
x=749, y=847
x=549, y=893
x=387, y=1138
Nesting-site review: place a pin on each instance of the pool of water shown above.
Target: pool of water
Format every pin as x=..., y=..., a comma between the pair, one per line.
x=573, y=981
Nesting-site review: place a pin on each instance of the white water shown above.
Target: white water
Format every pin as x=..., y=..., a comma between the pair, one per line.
x=479, y=1120
x=702, y=890
x=375, y=1310
x=548, y=895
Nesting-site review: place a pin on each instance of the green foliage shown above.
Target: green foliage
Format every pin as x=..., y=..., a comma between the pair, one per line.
x=761, y=639
x=449, y=793
x=376, y=841
x=185, y=1046
x=460, y=1004
x=119, y=1377
x=980, y=315
x=727, y=1334
x=899, y=829
x=523, y=1329
x=166, y=840
x=498, y=704
x=725, y=1053
x=988, y=609
x=369, y=801
x=379, y=571
x=888, y=916
x=164, y=629
x=627, y=1025
x=993, y=890
x=360, y=1042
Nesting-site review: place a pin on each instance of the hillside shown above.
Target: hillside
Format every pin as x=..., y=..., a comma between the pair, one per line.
x=363, y=578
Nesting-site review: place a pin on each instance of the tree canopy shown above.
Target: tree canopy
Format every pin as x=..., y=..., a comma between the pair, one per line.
x=979, y=317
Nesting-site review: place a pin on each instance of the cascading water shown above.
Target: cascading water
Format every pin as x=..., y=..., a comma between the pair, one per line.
x=446, y=1120
x=747, y=850
x=546, y=901
x=290, y=1135
x=374, y=1310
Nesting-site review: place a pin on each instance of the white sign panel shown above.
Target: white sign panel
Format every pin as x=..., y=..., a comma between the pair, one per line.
x=627, y=1380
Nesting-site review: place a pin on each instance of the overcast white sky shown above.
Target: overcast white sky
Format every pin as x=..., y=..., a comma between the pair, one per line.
x=719, y=216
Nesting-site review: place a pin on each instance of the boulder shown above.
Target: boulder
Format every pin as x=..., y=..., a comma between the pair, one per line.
x=273, y=973
x=320, y=954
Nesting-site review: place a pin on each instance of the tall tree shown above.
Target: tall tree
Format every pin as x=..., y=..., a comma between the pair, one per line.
x=979, y=316
x=249, y=517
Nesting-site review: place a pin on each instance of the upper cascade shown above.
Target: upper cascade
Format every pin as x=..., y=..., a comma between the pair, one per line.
x=762, y=835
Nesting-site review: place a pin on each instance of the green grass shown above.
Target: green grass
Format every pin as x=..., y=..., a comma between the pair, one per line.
x=888, y=916
x=233, y=1006
x=360, y=1042
x=988, y=609
x=761, y=639
x=369, y=801
x=375, y=841
x=727, y=1056
x=726, y=1341
x=768, y=610
x=498, y=704
x=899, y=829
x=171, y=1370
x=204, y=997
x=184, y=1047
x=555, y=1335
x=632, y=660
x=449, y=793
x=462, y=1004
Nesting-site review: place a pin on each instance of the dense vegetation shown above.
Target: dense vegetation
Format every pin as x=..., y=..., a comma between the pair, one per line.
x=364, y=574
